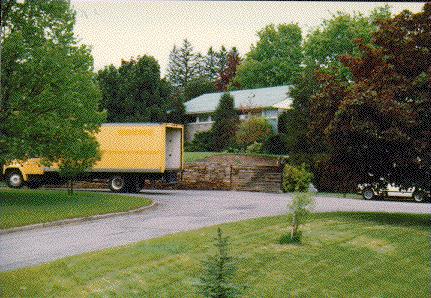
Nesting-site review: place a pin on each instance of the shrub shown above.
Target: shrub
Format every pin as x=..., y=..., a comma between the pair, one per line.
x=255, y=130
x=298, y=213
x=274, y=145
x=218, y=272
x=296, y=178
x=202, y=141
x=254, y=148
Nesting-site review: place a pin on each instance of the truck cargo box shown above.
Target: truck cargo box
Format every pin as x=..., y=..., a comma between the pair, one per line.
x=140, y=147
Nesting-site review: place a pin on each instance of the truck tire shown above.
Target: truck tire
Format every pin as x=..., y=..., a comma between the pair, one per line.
x=133, y=185
x=118, y=184
x=32, y=184
x=419, y=196
x=368, y=194
x=14, y=179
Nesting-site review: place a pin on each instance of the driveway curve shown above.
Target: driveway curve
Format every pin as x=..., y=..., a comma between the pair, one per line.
x=176, y=211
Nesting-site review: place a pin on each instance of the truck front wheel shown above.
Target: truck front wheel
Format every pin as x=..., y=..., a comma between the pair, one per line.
x=117, y=184
x=368, y=193
x=14, y=179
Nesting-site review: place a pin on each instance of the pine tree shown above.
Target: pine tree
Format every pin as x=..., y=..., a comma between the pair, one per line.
x=219, y=271
x=226, y=122
x=199, y=66
x=211, y=64
x=174, y=67
x=183, y=64
x=222, y=60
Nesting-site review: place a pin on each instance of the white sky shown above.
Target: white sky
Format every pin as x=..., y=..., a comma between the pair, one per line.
x=122, y=29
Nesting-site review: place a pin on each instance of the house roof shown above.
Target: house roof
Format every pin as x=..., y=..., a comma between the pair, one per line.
x=275, y=97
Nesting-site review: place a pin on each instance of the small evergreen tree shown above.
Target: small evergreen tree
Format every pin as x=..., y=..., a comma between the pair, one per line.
x=226, y=122
x=219, y=271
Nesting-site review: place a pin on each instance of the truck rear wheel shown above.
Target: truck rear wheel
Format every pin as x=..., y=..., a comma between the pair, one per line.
x=118, y=184
x=419, y=196
x=14, y=179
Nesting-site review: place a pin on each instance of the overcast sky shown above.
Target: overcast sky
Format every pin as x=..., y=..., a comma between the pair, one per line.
x=123, y=29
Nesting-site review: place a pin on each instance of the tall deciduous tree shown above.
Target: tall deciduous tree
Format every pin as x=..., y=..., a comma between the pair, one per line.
x=381, y=124
x=226, y=122
x=227, y=75
x=198, y=86
x=322, y=48
x=134, y=92
x=336, y=36
x=177, y=112
x=275, y=59
x=49, y=101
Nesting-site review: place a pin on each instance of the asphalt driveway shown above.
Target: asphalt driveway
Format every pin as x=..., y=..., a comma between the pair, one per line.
x=178, y=210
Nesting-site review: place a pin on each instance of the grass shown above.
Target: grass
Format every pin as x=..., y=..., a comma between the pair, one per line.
x=341, y=255
x=24, y=207
x=339, y=195
x=199, y=156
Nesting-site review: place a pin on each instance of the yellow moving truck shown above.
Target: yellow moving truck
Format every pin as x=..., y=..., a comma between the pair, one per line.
x=130, y=154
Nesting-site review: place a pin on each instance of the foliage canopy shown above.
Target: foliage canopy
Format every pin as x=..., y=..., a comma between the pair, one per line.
x=49, y=101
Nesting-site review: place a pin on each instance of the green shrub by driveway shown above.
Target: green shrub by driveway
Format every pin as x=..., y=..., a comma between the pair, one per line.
x=296, y=178
x=25, y=207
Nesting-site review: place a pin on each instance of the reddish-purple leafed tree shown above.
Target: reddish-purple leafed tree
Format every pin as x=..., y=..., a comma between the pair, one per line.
x=379, y=125
x=226, y=75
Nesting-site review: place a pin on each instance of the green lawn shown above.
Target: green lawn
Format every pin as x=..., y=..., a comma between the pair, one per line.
x=198, y=156
x=342, y=255
x=24, y=207
x=339, y=195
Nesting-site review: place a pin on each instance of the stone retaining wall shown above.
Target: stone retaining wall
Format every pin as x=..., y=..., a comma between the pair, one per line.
x=219, y=176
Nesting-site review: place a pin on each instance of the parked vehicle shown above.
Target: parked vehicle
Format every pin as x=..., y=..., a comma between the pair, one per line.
x=130, y=153
x=370, y=192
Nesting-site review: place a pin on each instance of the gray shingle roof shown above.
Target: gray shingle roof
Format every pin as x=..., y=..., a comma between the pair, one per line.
x=251, y=98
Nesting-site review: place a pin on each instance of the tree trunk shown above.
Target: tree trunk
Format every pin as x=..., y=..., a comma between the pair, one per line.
x=294, y=227
x=70, y=189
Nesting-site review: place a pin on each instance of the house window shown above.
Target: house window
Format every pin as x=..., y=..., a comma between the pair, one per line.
x=243, y=116
x=203, y=119
x=270, y=113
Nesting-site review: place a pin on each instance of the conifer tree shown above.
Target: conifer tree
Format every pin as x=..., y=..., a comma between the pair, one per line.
x=184, y=64
x=226, y=122
x=211, y=64
x=219, y=271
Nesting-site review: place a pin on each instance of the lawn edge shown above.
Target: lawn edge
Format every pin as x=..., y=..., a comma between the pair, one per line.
x=63, y=222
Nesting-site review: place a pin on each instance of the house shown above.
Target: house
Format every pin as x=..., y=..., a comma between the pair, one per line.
x=263, y=102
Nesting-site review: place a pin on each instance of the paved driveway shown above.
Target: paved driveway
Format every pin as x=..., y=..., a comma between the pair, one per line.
x=178, y=210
